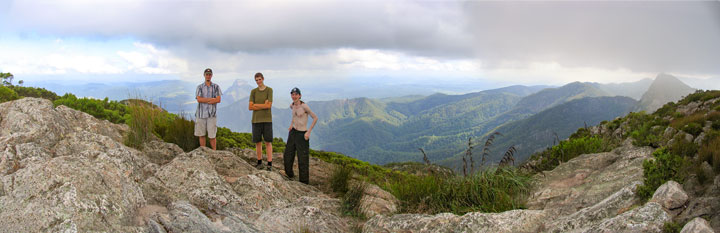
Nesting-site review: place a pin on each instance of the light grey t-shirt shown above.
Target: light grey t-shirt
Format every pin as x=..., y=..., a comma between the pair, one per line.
x=205, y=110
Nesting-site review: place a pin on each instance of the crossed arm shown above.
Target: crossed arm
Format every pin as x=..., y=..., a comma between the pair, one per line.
x=208, y=100
x=253, y=106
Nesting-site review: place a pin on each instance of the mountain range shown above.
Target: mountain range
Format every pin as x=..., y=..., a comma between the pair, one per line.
x=393, y=129
x=383, y=130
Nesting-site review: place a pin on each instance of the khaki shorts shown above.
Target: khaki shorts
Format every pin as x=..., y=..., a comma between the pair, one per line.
x=208, y=125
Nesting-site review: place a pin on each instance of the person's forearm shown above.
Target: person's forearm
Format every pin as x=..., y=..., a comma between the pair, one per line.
x=262, y=106
x=312, y=125
x=214, y=100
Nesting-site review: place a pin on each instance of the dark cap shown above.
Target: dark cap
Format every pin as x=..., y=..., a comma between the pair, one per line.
x=295, y=90
x=208, y=70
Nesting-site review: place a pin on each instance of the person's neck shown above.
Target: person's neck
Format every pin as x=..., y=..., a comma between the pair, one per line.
x=262, y=87
x=207, y=83
x=297, y=102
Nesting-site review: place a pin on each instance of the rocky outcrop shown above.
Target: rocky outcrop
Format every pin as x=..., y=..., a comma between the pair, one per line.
x=588, y=179
x=670, y=195
x=64, y=170
x=509, y=221
x=706, y=205
x=697, y=225
x=376, y=201
x=591, y=193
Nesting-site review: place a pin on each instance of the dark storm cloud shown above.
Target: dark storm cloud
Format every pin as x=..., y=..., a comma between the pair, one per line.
x=679, y=37
x=642, y=36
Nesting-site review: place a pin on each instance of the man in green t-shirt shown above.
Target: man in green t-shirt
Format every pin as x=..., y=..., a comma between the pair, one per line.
x=261, y=103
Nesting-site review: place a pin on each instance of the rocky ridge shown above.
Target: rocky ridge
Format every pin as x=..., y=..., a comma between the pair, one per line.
x=65, y=171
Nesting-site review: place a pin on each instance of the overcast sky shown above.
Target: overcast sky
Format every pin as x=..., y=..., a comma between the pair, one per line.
x=497, y=43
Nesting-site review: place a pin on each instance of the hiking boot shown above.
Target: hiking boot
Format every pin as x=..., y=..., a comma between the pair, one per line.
x=269, y=168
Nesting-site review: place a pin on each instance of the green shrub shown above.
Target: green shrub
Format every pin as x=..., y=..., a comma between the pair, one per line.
x=491, y=190
x=35, y=92
x=713, y=116
x=581, y=132
x=677, y=115
x=340, y=179
x=682, y=147
x=666, y=110
x=566, y=150
x=7, y=94
x=181, y=131
x=710, y=152
x=105, y=109
x=693, y=128
x=369, y=172
x=666, y=166
x=700, y=95
x=680, y=123
x=613, y=125
x=672, y=227
x=716, y=125
x=351, y=200
x=142, y=123
x=696, y=96
x=645, y=129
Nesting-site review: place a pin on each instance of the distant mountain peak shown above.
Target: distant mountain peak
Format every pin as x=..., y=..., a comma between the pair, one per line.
x=667, y=78
x=665, y=88
x=239, y=83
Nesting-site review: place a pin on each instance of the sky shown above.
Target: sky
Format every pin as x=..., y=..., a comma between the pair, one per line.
x=452, y=44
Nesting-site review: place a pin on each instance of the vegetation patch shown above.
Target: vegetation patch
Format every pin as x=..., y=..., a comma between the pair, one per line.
x=7, y=94
x=566, y=150
x=682, y=147
x=710, y=152
x=672, y=227
x=666, y=166
x=351, y=200
x=691, y=124
x=490, y=190
x=142, y=122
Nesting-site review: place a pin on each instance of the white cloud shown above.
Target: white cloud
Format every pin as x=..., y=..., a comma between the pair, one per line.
x=553, y=73
x=516, y=42
x=149, y=60
x=57, y=56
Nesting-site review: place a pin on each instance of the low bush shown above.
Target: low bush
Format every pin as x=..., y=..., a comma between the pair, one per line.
x=7, y=94
x=490, y=190
x=35, y=92
x=570, y=149
x=351, y=200
x=710, y=152
x=666, y=166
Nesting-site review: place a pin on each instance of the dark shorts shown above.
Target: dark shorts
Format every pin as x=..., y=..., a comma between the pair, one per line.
x=262, y=132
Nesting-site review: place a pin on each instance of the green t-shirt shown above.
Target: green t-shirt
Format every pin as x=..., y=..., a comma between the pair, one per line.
x=258, y=97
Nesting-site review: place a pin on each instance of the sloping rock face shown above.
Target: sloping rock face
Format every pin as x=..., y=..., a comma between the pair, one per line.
x=588, y=179
x=509, y=221
x=697, y=225
x=64, y=170
x=591, y=193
